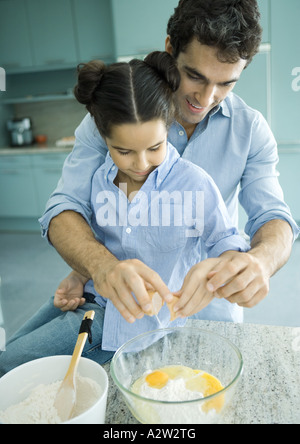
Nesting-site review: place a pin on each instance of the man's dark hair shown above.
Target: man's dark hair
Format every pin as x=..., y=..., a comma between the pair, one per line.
x=232, y=26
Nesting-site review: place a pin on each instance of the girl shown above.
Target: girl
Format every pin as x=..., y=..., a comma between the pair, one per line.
x=149, y=207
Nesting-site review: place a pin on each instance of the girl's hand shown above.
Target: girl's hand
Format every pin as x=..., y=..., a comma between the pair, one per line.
x=194, y=295
x=68, y=296
x=121, y=279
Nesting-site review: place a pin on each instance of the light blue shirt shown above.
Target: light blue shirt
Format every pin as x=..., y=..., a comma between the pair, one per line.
x=176, y=215
x=234, y=145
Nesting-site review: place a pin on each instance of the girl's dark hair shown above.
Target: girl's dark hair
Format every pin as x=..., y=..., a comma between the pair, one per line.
x=138, y=91
x=232, y=26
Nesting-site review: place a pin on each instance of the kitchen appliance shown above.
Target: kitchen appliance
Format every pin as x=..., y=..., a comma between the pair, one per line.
x=20, y=131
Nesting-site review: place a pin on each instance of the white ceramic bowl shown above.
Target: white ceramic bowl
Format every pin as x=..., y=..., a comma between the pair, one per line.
x=190, y=347
x=17, y=385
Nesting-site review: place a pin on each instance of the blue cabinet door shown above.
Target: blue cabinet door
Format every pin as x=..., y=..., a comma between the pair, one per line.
x=140, y=26
x=286, y=70
x=17, y=188
x=47, y=169
x=15, y=45
x=52, y=29
x=94, y=28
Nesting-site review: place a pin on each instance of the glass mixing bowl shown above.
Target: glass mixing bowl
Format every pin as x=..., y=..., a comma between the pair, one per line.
x=190, y=347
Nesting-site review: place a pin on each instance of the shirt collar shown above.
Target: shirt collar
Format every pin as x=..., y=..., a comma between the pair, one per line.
x=159, y=174
x=223, y=108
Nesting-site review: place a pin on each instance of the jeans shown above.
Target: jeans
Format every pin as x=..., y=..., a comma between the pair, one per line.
x=52, y=332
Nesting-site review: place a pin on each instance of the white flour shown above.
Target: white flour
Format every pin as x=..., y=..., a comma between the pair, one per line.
x=174, y=390
x=39, y=408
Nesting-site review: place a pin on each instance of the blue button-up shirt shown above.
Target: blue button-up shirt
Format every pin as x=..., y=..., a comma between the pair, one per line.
x=234, y=144
x=176, y=216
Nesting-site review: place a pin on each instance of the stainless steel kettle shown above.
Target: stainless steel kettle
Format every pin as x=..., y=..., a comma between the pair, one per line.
x=20, y=131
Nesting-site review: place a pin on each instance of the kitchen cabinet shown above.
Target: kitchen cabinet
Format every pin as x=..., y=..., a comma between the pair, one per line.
x=15, y=45
x=52, y=28
x=140, y=26
x=47, y=170
x=285, y=60
x=94, y=30
x=17, y=188
x=54, y=34
x=26, y=183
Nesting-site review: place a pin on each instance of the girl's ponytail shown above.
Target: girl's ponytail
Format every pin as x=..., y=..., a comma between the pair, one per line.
x=89, y=78
x=122, y=93
x=166, y=67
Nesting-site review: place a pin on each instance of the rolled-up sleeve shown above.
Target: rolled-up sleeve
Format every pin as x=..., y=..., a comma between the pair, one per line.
x=219, y=234
x=261, y=194
x=73, y=191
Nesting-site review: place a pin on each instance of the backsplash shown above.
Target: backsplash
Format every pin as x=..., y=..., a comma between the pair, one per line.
x=55, y=119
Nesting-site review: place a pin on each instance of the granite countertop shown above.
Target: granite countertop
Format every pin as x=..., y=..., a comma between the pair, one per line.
x=269, y=389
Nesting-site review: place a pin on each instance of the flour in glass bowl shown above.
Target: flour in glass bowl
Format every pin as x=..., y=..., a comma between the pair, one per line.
x=174, y=391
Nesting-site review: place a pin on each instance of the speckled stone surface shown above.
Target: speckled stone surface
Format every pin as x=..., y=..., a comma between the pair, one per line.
x=269, y=389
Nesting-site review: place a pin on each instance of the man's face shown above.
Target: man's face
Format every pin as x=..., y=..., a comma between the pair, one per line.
x=205, y=81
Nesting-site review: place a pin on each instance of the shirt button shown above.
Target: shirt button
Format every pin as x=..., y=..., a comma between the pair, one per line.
x=181, y=133
x=128, y=230
x=113, y=168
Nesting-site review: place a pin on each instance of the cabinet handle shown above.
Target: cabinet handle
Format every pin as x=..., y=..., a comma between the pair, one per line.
x=14, y=172
x=53, y=170
x=12, y=65
x=55, y=61
x=102, y=57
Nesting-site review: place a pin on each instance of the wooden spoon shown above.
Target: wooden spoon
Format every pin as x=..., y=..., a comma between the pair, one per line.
x=66, y=396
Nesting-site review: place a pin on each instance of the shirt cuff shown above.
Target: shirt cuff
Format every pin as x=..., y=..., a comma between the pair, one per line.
x=252, y=227
x=50, y=214
x=235, y=243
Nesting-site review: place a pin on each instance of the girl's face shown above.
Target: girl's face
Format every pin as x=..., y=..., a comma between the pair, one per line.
x=138, y=148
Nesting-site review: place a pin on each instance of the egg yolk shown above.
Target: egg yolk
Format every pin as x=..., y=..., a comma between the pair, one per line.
x=157, y=379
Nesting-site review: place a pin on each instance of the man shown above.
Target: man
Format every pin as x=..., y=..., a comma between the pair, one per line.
x=213, y=41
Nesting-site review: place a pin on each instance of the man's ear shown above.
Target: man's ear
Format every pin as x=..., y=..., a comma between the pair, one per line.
x=168, y=46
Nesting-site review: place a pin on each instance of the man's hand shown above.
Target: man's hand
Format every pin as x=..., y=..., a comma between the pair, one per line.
x=235, y=276
x=244, y=278
x=240, y=278
x=120, y=279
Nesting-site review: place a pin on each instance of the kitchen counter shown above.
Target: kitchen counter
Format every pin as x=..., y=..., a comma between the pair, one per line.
x=269, y=389
x=34, y=150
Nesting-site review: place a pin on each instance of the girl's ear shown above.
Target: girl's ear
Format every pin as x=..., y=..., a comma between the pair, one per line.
x=168, y=46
